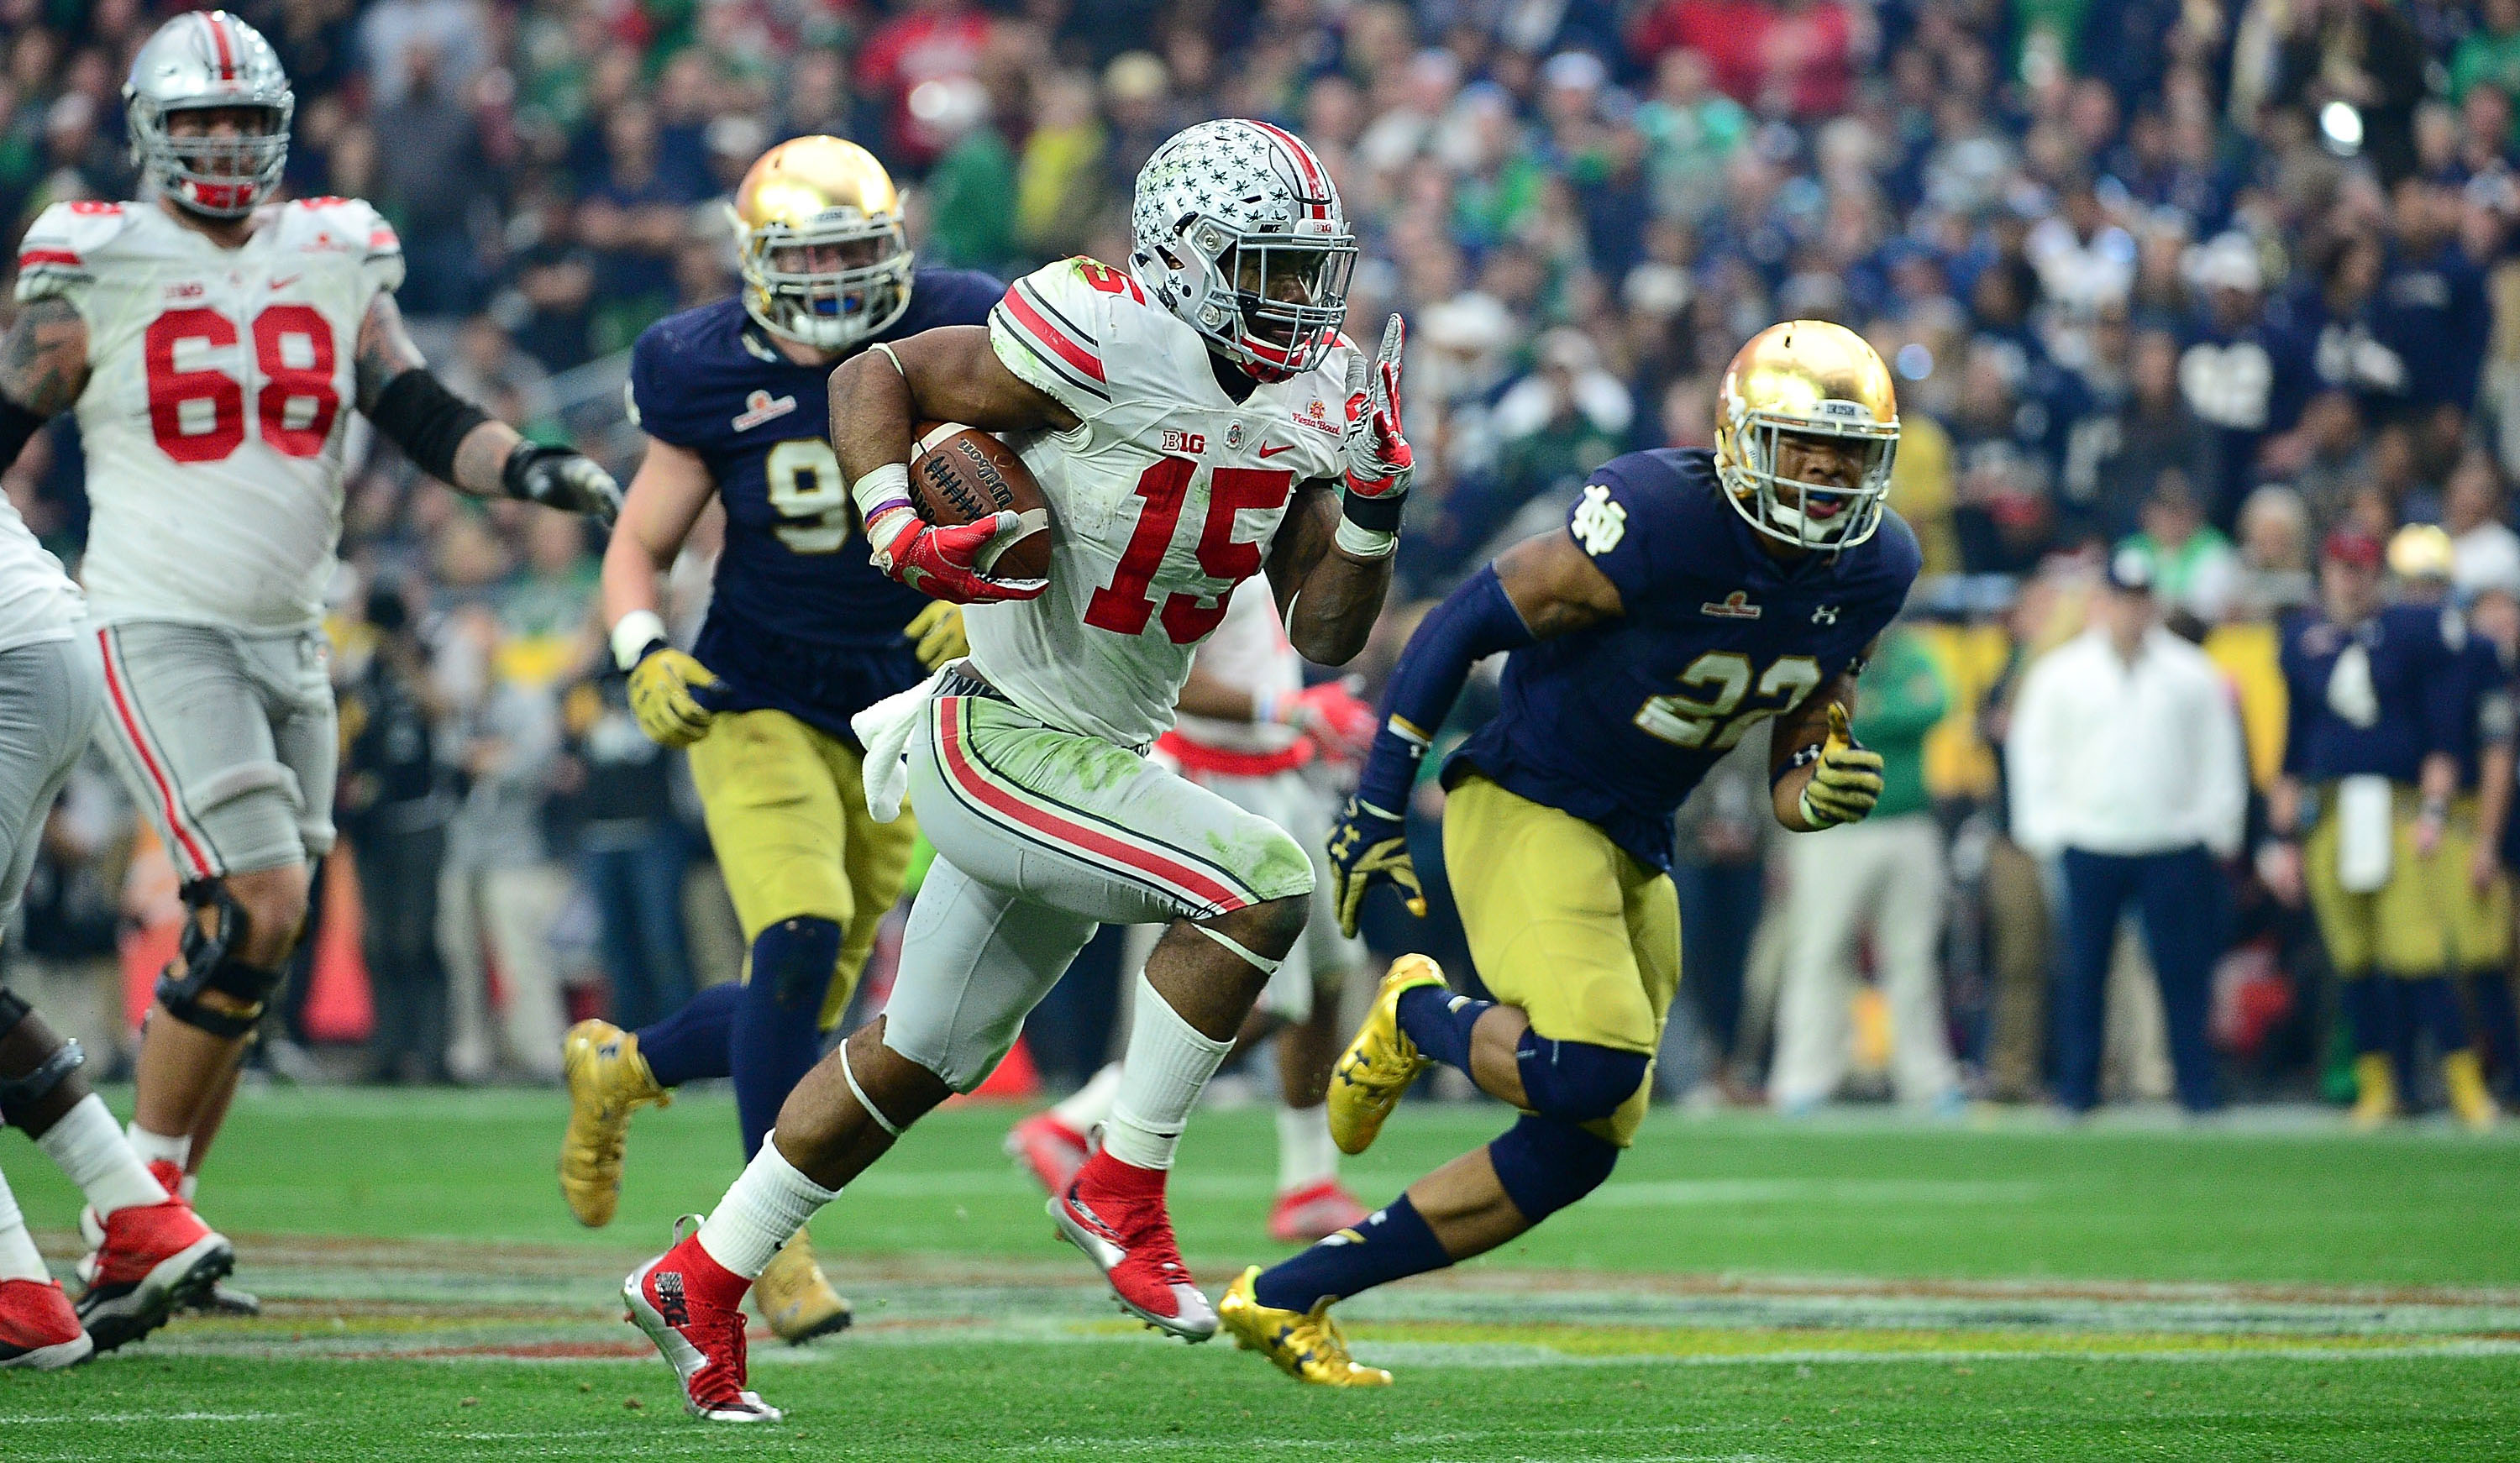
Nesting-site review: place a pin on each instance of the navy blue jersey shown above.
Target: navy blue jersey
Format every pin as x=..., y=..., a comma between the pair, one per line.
x=2374, y=698
x=798, y=620
x=1616, y=724
x=2485, y=708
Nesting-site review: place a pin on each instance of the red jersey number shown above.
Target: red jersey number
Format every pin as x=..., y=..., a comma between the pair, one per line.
x=293, y=350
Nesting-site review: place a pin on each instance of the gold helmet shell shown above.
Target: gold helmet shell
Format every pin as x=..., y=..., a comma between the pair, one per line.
x=821, y=196
x=1816, y=378
x=2421, y=551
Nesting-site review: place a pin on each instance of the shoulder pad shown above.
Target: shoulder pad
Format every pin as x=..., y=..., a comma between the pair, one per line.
x=1055, y=326
x=60, y=252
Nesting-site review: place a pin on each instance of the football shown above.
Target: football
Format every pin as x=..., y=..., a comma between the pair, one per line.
x=961, y=474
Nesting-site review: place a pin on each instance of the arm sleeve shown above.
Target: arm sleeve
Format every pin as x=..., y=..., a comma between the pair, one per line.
x=1049, y=329
x=2223, y=774
x=646, y=394
x=1475, y=621
x=2027, y=764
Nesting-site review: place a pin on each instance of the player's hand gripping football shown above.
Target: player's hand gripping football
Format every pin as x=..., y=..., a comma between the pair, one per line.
x=1378, y=460
x=669, y=694
x=937, y=633
x=944, y=563
x=1368, y=846
x=562, y=477
x=1847, y=780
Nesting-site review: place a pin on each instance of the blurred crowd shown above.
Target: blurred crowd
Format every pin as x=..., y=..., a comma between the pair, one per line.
x=2210, y=279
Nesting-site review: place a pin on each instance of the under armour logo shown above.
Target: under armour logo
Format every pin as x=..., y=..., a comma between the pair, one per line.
x=1825, y=614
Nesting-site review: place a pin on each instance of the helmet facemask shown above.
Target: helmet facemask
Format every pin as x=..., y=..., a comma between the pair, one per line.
x=1289, y=292
x=831, y=283
x=1812, y=516
x=216, y=176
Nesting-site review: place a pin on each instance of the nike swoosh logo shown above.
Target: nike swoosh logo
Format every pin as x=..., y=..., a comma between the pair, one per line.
x=1267, y=451
x=284, y=283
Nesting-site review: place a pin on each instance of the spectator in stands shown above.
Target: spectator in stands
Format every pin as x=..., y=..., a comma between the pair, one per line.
x=2485, y=552
x=2125, y=766
x=1887, y=880
x=632, y=852
x=2193, y=568
x=1721, y=873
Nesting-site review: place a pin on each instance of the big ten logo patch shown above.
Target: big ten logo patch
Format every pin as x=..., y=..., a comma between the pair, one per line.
x=1192, y=443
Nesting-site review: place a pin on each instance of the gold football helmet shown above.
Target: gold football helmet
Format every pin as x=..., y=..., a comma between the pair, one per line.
x=1805, y=377
x=2421, y=551
x=825, y=260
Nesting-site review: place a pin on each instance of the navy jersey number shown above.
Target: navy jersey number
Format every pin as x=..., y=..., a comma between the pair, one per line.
x=1715, y=718
x=803, y=480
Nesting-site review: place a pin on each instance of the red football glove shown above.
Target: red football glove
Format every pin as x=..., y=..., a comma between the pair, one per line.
x=1378, y=460
x=1340, y=726
x=943, y=563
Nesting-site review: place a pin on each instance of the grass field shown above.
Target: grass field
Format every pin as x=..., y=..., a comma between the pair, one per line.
x=1745, y=1288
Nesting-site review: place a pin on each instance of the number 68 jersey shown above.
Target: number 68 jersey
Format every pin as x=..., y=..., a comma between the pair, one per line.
x=1165, y=496
x=1617, y=723
x=219, y=383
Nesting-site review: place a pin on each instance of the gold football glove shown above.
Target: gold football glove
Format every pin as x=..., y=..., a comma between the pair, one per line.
x=662, y=695
x=1368, y=847
x=939, y=634
x=1847, y=781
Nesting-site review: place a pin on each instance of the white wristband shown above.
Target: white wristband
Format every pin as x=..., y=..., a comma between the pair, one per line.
x=881, y=488
x=633, y=634
x=1365, y=542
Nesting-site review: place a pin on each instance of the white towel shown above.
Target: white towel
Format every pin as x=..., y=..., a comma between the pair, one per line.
x=885, y=730
x=2365, y=828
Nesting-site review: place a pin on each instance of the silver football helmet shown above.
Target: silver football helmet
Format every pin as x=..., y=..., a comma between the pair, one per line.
x=202, y=60
x=1239, y=232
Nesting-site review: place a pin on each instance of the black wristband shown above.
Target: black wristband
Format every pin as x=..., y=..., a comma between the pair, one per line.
x=17, y=427
x=1378, y=514
x=419, y=414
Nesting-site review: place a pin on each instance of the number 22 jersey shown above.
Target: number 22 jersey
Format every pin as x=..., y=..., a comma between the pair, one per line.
x=220, y=382
x=1617, y=723
x=798, y=620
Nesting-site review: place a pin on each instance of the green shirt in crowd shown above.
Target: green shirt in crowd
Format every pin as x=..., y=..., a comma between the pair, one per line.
x=1898, y=700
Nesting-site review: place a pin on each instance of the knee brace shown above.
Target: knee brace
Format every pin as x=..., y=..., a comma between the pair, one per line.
x=22, y=1094
x=1546, y=1164
x=1576, y=1081
x=207, y=954
x=793, y=961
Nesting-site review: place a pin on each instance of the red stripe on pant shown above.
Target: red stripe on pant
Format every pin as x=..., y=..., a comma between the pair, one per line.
x=201, y=866
x=1178, y=876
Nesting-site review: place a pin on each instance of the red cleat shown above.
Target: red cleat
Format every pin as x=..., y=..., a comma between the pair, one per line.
x=154, y=1258
x=1115, y=1213
x=38, y=1328
x=1046, y=1147
x=1313, y=1213
x=693, y=1308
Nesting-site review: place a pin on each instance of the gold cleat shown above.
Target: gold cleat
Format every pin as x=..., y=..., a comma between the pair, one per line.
x=2464, y=1082
x=1379, y=1066
x=607, y=1081
x=795, y=1298
x=2376, y=1091
x=1308, y=1346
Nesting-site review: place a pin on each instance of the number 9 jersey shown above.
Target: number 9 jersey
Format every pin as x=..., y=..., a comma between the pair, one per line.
x=1617, y=723
x=218, y=386
x=798, y=620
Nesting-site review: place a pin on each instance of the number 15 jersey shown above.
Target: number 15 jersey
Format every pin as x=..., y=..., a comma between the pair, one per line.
x=1165, y=496
x=1617, y=723
x=219, y=384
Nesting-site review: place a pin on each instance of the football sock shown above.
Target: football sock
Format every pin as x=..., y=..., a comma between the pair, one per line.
x=92, y=1153
x=776, y=1035
x=19, y=1260
x=768, y=1203
x=691, y=1043
x=2433, y=1003
x=1439, y=1021
x=1091, y=1103
x=1306, y=1156
x=2369, y=1002
x=157, y=1147
x=1392, y=1243
x=1167, y=1062
x=2499, y=1024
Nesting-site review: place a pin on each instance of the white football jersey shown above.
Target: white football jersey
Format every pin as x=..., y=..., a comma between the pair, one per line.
x=37, y=601
x=1250, y=653
x=220, y=386
x=1163, y=499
